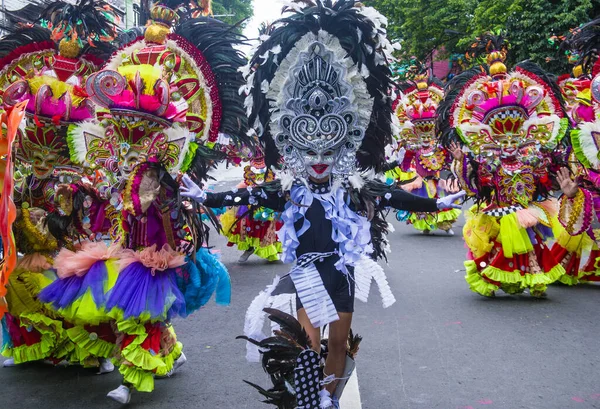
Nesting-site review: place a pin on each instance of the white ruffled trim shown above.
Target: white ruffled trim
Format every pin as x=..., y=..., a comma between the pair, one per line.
x=366, y=270
x=255, y=320
x=79, y=147
x=587, y=142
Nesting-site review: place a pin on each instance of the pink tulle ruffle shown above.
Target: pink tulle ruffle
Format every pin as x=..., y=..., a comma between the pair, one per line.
x=69, y=263
x=163, y=259
x=34, y=262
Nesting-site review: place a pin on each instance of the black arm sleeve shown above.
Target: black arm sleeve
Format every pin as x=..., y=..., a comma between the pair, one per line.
x=271, y=200
x=389, y=166
x=402, y=200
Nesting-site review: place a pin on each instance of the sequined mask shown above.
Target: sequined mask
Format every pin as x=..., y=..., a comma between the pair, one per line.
x=318, y=128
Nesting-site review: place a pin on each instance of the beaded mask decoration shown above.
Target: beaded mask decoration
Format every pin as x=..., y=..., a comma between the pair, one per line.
x=140, y=122
x=178, y=110
x=48, y=68
x=318, y=125
x=416, y=112
x=508, y=114
x=185, y=69
x=317, y=91
x=52, y=102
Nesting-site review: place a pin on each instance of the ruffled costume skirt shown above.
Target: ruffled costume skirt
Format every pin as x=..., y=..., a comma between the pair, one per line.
x=509, y=252
x=252, y=229
x=432, y=189
x=400, y=178
x=30, y=331
x=86, y=276
x=570, y=250
x=153, y=287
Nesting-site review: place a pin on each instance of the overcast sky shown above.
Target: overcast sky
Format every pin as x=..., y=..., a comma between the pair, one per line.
x=264, y=10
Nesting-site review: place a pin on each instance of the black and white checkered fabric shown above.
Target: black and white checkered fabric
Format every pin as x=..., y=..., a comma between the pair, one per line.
x=502, y=211
x=309, y=258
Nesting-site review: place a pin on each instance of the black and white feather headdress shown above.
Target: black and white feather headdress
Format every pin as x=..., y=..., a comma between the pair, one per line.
x=352, y=62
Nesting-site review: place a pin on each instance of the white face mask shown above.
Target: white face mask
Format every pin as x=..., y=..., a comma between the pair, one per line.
x=319, y=127
x=128, y=162
x=319, y=164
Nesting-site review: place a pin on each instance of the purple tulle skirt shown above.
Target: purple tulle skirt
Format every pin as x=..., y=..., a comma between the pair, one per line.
x=138, y=292
x=64, y=292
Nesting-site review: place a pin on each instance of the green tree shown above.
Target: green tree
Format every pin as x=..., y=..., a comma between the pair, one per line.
x=424, y=25
x=233, y=11
x=452, y=25
x=530, y=28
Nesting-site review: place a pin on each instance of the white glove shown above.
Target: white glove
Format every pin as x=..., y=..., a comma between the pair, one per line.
x=448, y=201
x=401, y=155
x=191, y=190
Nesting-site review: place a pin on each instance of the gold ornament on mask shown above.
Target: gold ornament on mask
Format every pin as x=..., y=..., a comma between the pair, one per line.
x=69, y=48
x=495, y=60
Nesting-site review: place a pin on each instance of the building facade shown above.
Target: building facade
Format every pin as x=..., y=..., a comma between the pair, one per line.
x=13, y=12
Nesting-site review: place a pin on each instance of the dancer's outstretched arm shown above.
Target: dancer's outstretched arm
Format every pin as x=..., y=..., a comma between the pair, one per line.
x=402, y=200
x=240, y=197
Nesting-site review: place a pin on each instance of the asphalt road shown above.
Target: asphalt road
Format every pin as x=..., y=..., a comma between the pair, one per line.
x=440, y=346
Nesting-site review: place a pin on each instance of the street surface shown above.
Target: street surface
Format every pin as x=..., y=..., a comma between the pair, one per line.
x=439, y=347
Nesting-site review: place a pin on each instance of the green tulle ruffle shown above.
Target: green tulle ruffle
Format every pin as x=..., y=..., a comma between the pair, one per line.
x=52, y=337
x=88, y=348
x=139, y=365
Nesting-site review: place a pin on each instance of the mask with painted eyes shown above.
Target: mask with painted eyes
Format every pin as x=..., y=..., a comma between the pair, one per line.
x=319, y=128
x=510, y=146
x=319, y=164
x=43, y=165
x=128, y=162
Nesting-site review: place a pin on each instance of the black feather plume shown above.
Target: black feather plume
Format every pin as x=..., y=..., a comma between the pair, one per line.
x=586, y=42
x=453, y=89
x=216, y=40
x=485, y=44
x=88, y=21
x=36, y=37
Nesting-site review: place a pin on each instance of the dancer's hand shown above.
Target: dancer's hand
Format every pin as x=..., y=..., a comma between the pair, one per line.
x=567, y=185
x=448, y=201
x=456, y=151
x=401, y=155
x=64, y=197
x=191, y=190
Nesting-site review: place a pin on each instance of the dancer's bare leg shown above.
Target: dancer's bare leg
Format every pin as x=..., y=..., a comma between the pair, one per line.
x=313, y=333
x=337, y=348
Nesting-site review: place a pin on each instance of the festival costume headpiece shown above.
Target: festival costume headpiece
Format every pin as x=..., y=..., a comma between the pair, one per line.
x=51, y=79
x=416, y=110
x=180, y=100
x=318, y=85
x=586, y=138
x=500, y=109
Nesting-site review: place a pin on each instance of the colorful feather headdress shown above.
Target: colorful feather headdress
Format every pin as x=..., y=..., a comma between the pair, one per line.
x=586, y=138
x=416, y=109
x=48, y=70
x=142, y=115
x=199, y=75
x=321, y=79
x=485, y=109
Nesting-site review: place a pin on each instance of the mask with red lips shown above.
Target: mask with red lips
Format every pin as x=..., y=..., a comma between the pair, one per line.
x=319, y=127
x=319, y=164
